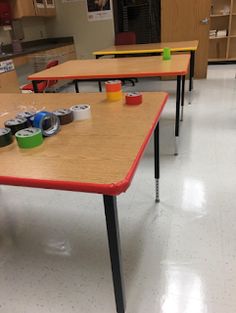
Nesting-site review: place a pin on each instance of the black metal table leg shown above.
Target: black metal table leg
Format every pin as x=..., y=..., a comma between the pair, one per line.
x=178, y=97
x=182, y=98
x=115, y=251
x=192, y=67
x=157, y=161
x=100, y=86
x=35, y=86
x=191, y=75
x=76, y=85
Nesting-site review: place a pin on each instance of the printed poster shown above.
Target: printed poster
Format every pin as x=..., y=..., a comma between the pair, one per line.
x=99, y=10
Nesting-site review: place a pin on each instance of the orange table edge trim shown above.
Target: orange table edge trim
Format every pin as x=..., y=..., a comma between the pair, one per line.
x=111, y=76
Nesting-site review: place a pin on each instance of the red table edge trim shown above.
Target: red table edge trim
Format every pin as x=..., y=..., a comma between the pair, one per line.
x=106, y=189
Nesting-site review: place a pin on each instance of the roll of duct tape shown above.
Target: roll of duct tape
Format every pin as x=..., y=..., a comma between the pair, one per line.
x=65, y=116
x=113, y=85
x=114, y=96
x=29, y=115
x=81, y=112
x=6, y=137
x=133, y=98
x=48, y=122
x=16, y=124
x=29, y=138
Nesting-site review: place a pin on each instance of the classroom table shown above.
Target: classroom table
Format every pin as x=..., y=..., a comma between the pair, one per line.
x=104, y=69
x=98, y=155
x=153, y=48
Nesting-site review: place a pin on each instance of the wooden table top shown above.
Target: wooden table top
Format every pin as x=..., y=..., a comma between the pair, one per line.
x=98, y=155
x=116, y=68
x=180, y=46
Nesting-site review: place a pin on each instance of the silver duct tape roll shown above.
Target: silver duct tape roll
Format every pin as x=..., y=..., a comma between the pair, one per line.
x=81, y=112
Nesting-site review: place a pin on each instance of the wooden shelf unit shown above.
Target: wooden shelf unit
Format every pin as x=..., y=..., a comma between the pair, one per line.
x=223, y=16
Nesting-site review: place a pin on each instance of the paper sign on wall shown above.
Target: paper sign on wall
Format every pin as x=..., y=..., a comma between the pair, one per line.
x=99, y=10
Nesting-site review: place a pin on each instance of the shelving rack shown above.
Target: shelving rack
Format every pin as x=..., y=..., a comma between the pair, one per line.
x=223, y=16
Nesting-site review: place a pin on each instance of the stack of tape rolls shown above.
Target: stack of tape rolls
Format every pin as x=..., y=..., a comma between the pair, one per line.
x=48, y=122
x=6, y=137
x=81, y=112
x=16, y=124
x=29, y=138
x=133, y=98
x=29, y=115
x=65, y=116
x=113, y=90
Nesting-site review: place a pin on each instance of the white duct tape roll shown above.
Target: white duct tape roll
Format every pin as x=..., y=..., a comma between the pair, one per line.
x=81, y=112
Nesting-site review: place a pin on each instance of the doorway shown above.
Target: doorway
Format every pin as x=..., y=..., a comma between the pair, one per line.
x=140, y=16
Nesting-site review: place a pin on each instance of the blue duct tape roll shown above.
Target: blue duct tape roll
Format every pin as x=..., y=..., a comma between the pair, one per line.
x=48, y=122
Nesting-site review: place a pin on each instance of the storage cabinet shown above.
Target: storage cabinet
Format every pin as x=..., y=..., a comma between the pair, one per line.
x=39, y=7
x=50, y=7
x=22, y=8
x=222, y=30
x=9, y=83
x=27, y=8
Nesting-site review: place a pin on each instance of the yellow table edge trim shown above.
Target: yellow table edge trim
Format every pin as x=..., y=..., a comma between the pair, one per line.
x=142, y=51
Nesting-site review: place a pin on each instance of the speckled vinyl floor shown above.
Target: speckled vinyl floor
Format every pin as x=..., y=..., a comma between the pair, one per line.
x=179, y=256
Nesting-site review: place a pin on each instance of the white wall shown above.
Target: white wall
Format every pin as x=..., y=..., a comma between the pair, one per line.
x=72, y=20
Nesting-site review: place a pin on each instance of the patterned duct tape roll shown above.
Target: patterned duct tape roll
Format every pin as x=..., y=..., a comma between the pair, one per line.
x=29, y=138
x=6, y=137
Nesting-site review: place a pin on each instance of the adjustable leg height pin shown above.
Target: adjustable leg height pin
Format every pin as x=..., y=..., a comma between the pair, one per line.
x=157, y=191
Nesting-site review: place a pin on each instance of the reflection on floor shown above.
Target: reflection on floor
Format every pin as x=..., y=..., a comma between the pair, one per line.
x=179, y=256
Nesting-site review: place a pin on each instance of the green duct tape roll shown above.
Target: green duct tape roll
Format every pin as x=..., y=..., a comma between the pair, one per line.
x=29, y=138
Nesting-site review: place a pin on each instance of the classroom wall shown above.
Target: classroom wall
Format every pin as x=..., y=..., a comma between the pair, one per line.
x=34, y=28
x=72, y=20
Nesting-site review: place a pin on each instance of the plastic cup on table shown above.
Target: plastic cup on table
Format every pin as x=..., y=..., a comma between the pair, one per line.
x=166, y=54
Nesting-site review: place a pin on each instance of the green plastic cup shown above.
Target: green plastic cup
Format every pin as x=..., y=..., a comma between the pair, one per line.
x=166, y=54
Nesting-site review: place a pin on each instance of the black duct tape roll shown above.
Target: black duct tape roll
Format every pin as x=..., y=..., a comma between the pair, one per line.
x=29, y=115
x=16, y=124
x=65, y=116
x=6, y=137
